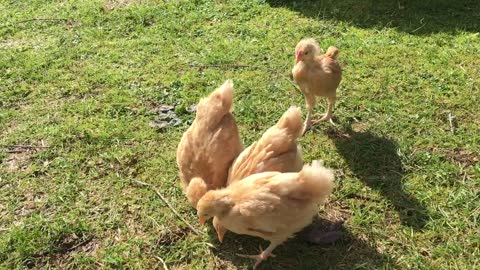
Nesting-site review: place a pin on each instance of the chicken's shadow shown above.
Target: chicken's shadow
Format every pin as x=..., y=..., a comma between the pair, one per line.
x=349, y=252
x=413, y=17
x=375, y=161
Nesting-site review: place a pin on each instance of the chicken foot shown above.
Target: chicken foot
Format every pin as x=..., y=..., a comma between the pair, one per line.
x=263, y=256
x=310, y=104
x=328, y=115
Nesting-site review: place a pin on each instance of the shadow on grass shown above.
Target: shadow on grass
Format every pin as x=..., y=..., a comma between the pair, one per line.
x=349, y=252
x=375, y=161
x=414, y=17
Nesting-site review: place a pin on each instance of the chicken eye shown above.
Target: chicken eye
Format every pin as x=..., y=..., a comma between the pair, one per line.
x=205, y=215
x=306, y=53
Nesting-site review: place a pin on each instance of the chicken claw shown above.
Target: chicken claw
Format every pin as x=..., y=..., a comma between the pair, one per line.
x=263, y=256
x=325, y=117
x=306, y=126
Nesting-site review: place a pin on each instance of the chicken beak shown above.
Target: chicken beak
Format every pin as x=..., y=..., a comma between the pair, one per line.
x=220, y=233
x=298, y=56
x=220, y=236
x=201, y=220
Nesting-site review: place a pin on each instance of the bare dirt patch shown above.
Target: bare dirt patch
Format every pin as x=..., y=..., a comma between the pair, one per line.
x=16, y=161
x=70, y=244
x=19, y=155
x=462, y=157
x=31, y=202
x=336, y=211
x=359, y=127
x=23, y=44
x=171, y=237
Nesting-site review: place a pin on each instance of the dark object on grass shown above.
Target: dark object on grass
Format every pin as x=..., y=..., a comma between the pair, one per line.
x=166, y=117
x=165, y=108
x=320, y=235
x=192, y=108
x=158, y=124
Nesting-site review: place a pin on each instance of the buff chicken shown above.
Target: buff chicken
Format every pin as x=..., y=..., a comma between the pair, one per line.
x=277, y=150
x=270, y=205
x=209, y=146
x=317, y=76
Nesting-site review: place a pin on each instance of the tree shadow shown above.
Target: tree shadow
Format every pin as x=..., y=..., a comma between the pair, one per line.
x=349, y=252
x=375, y=161
x=414, y=17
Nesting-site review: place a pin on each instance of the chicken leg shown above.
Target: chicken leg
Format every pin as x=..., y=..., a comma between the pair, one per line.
x=263, y=256
x=328, y=115
x=310, y=104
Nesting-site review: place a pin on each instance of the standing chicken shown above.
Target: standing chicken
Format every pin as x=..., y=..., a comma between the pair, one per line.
x=209, y=146
x=270, y=205
x=277, y=150
x=316, y=75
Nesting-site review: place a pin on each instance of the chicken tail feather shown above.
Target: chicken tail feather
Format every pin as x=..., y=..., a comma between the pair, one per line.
x=316, y=182
x=195, y=190
x=332, y=52
x=226, y=94
x=292, y=121
x=219, y=103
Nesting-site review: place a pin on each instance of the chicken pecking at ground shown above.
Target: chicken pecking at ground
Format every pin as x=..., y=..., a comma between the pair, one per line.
x=277, y=150
x=209, y=146
x=316, y=75
x=270, y=205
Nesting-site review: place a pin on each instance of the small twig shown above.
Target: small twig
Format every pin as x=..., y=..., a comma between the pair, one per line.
x=450, y=121
x=210, y=245
x=290, y=81
x=360, y=197
x=245, y=66
x=220, y=66
x=38, y=20
x=84, y=242
x=423, y=25
x=167, y=203
x=43, y=19
x=12, y=150
x=15, y=151
x=25, y=146
x=162, y=261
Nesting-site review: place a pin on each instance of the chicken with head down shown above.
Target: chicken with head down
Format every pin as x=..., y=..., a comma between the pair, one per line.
x=270, y=205
x=209, y=146
x=277, y=150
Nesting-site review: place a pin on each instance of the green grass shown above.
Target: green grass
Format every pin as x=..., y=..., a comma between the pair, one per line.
x=87, y=87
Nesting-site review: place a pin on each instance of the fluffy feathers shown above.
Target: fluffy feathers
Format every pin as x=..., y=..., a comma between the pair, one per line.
x=332, y=52
x=270, y=205
x=276, y=150
x=317, y=76
x=209, y=145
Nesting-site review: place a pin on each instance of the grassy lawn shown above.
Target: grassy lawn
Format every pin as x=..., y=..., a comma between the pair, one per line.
x=86, y=78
